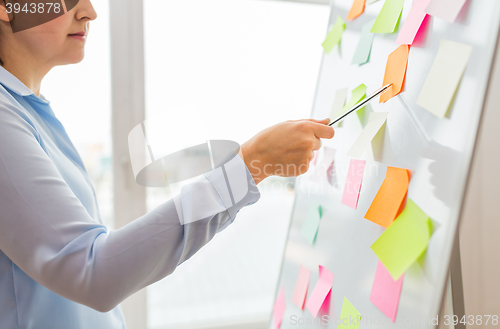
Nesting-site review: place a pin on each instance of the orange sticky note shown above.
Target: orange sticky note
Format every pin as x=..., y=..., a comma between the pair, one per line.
x=395, y=72
x=389, y=199
x=358, y=7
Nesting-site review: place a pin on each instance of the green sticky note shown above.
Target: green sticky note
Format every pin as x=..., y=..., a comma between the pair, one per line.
x=334, y=36
x=388, y=19
x=404, y=241
x=311, y=224
x=350, y=318
x=357, y=96
x=364, y=48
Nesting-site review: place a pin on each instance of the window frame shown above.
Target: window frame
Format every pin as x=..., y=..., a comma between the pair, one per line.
x=128, y=110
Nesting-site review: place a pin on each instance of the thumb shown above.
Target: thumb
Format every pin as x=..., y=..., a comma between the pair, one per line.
x=324, y=121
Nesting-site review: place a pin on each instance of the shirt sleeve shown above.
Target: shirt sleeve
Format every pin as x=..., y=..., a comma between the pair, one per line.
x=47, y=233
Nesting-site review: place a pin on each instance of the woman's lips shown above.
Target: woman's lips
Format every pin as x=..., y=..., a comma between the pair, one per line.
x=82, y=36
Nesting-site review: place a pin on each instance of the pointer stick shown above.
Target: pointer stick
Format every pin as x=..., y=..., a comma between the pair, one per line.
x=361, y=104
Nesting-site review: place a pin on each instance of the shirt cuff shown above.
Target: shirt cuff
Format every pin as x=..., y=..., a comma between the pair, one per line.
x=234, y=184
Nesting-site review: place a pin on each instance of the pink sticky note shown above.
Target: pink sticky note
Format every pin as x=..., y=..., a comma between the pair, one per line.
x=413, y=22
x=445, y=9
x=386, y=292
x=315, y=157
x=279, y=308
x=320, y=291
x=300, y=293
x=353, y=183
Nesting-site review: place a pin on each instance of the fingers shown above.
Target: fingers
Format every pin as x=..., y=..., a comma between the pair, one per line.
x=323, y=131
x=317, y=144
x=324, y=121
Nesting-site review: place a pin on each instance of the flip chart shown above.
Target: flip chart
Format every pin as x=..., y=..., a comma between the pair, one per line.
x=350, y=318
x=444, y=77
x=386, y=292
x=388, y=19
x=395, y=72
x=311, y=224
x=375, y=121
x=404, y=241
x=390, y=197
x=353, y=183
x=357, y=8
x=364, y=48
x=320, y=291
x=445, y=9
x=413, y=22
x=301, y=286
x=334, y=36
x=279, y=308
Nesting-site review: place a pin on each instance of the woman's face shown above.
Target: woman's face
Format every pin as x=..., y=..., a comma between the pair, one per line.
x=58, y=42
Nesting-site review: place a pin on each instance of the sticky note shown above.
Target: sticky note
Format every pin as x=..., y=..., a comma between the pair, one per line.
x=338, y=102
x=388, y=19
x=311, y=224
x=375, y=121
x=444, y=77
x=364, y=48
x=413, y=21
x=279, y=308
x=395, y=72
x=334, y=36
x=357, y=8
x=386, y=292
x=320, y=291
x=353, y=183
x=315, y=157
x=323, y=164
x=389, y=199
x=358, y=94
x=445, y=9
x=301, y=286
x=349, y=318
x=404, y=241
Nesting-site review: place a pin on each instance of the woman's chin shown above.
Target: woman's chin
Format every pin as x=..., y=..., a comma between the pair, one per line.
x=74, y=58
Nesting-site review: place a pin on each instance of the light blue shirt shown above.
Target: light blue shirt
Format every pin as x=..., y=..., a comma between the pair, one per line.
x=60, y=267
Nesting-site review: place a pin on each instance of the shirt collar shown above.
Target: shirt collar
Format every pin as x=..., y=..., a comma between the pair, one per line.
x=12, y=83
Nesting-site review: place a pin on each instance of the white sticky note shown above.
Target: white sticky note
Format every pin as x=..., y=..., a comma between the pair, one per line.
x=375, y=122
x=338, y=102
x=445, y=9
x=444, y=77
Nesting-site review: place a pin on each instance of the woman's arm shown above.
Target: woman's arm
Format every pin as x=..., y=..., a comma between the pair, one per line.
x=45, y=230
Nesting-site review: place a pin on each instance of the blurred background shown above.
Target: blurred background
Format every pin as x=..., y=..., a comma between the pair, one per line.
x=212, y=69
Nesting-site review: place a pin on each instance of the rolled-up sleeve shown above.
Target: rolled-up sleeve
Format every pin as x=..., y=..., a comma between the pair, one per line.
x=47, y=233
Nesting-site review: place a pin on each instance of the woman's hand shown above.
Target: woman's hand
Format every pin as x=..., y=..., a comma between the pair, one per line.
x=285, y=149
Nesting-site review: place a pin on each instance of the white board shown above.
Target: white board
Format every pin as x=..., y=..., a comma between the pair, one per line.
x=438, y=152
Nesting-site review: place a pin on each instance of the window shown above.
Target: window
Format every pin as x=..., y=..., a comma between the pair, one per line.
x=228, y=69
x=87, y=117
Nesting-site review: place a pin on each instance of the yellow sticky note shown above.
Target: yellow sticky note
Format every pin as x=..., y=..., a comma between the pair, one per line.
x=357, y=8
x=404, y=241
x=334, y=36
x=375, y=121
x=444, y=77
x=350, y=318
x=395, y=72
x=389, y=199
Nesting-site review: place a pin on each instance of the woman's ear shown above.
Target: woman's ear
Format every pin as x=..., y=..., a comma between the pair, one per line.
x=4, y=16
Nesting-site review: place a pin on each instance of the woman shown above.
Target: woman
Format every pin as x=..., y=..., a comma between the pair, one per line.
x=59, y=266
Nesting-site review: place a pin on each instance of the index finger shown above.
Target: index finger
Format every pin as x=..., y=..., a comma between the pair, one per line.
x=323, y=131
